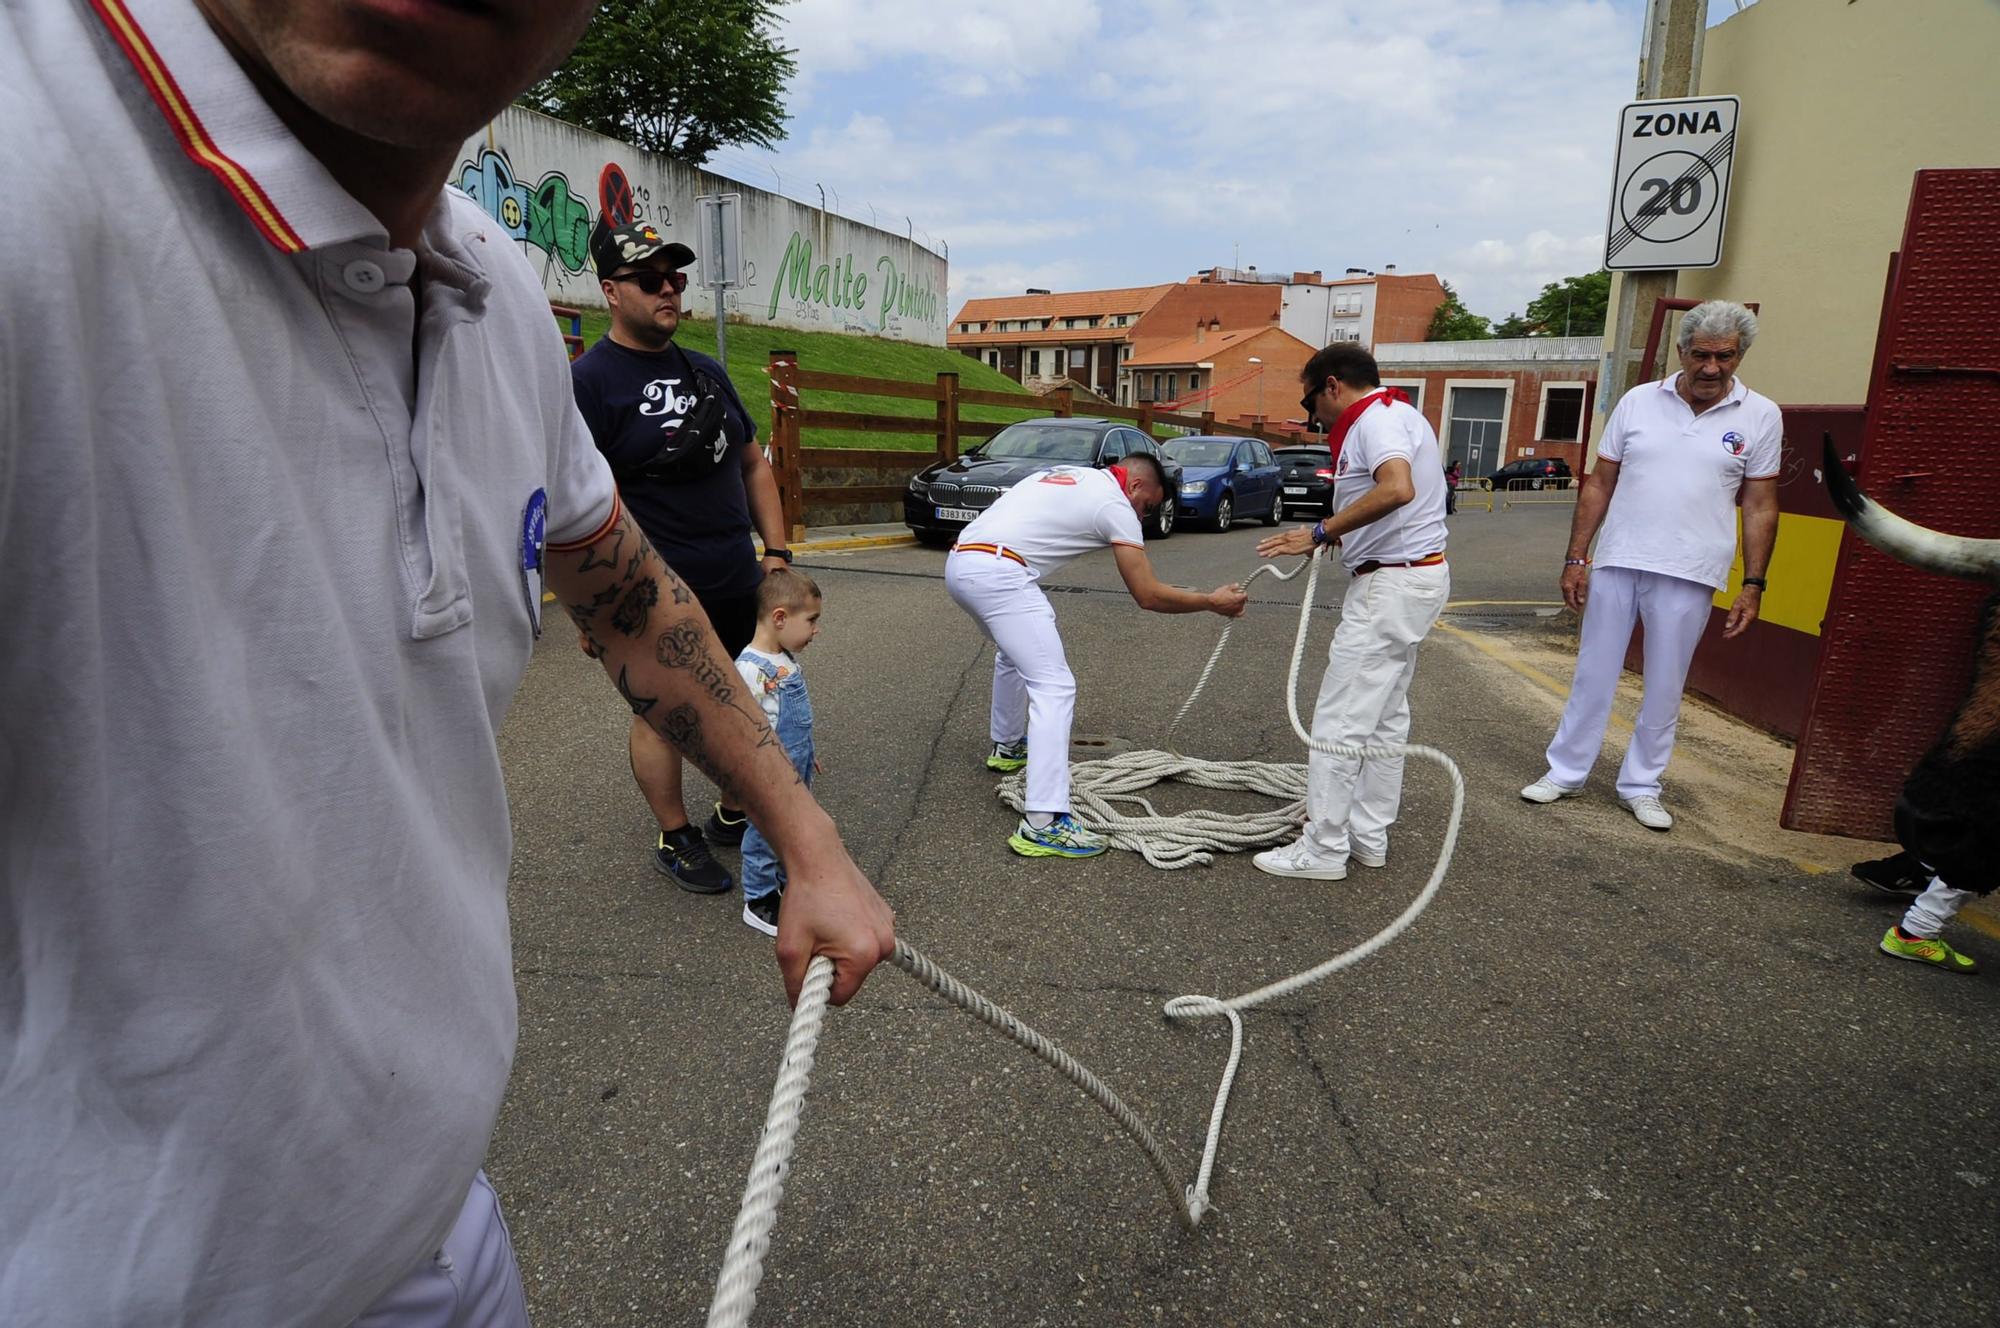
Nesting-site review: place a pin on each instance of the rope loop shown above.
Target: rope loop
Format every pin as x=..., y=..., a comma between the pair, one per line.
x=1167, y=842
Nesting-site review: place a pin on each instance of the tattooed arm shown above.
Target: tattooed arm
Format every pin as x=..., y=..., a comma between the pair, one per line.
x=642, y=623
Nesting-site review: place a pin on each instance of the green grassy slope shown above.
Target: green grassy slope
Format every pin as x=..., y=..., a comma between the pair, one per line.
x=750, y=347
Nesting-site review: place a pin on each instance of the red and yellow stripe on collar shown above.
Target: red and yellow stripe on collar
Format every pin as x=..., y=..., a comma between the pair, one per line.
x=188, y=128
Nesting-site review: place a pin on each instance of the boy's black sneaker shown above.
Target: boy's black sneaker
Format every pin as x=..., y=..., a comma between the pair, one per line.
x=762, y=912
x=724, y=829
x=1903, y=875
x=682, y=855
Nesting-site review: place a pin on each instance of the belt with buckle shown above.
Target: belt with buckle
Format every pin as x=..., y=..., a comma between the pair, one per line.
x=1372, y=565
x=997, y=550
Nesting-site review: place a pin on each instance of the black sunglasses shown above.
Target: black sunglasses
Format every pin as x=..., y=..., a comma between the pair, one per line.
x=1306, y=402
x=650, y=279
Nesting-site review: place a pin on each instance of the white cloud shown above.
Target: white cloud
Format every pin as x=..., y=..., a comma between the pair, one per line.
x=1497, y=277
x=1138, y=142
x=986, y=280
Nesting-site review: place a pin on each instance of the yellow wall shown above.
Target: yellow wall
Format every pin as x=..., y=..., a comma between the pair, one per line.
x=1842, y=102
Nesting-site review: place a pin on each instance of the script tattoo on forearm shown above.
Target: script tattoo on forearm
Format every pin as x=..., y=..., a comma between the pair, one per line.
x=680, y=645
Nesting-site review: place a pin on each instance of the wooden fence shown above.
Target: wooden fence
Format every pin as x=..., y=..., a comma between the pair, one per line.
x=573, y=337
x=791, y=415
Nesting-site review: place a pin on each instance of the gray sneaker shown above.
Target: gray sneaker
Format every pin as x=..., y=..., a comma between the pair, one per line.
x=1649, y=813
x=1546, y=789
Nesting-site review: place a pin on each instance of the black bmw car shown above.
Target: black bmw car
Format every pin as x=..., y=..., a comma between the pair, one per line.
x=946, y=496
x=1305, y=481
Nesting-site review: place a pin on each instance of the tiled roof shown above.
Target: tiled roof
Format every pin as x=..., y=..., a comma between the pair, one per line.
x=1062, y=304
x=1187, y=350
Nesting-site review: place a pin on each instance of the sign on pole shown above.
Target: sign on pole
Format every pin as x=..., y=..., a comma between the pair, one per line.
x=1670, y=188
x=720, y=226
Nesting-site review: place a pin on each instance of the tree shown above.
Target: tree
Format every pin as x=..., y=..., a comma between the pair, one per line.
x=1514, y=325
x=1454, y=322
x=1572, y=307
x=678, y=77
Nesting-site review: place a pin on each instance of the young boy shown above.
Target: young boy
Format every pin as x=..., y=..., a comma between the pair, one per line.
x=788, y=609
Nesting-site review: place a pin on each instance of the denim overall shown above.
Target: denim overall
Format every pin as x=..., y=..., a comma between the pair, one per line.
x=762, y=872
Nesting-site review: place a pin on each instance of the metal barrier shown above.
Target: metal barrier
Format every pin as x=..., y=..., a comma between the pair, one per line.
x=1539, y=490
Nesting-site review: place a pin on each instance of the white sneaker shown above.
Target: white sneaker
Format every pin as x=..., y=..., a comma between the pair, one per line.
x=1546, y=789
x=1356, y=853
x=1302, y=861
x=1649, y=813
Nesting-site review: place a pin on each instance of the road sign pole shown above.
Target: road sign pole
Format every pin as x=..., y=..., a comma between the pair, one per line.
x=1669, y=67
x=721, y=317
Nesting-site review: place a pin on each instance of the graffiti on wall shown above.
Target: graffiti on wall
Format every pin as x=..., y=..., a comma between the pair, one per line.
x=549, y=199
x=839, y=286
x=548, y=215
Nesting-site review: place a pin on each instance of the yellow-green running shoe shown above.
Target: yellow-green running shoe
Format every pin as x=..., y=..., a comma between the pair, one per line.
x=1007, y=757
x=1065, y=837
x=1931, y=951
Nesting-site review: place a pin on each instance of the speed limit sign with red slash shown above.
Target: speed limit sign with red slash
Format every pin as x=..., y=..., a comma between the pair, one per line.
x=1670, y=190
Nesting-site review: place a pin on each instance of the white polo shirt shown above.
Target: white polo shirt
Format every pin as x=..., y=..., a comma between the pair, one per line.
x=1674, y=510
x=1384, y=431
x=1054, y=515
x=264, y=528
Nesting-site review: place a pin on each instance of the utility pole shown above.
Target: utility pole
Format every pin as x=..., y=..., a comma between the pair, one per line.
x=1669, y=68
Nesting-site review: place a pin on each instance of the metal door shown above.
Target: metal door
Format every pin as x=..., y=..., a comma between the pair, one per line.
x=1477, y=415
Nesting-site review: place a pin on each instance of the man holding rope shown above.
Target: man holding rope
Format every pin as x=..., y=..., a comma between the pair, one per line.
x=994, y=574
x=282, y=475
x=1388, y=523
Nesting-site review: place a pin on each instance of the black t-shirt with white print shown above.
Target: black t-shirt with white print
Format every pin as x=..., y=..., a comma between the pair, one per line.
x=701, y=525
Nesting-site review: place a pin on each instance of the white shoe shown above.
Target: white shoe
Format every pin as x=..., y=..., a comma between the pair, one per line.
x=1546, y=789
x=1649, y=813
x=1300, y=860
x=1355, y=853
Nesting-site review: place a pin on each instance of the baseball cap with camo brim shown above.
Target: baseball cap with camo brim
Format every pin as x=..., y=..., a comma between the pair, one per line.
x=612, y=248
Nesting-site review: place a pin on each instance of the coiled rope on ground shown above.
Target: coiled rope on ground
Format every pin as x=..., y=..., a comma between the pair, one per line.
x=750, y=1241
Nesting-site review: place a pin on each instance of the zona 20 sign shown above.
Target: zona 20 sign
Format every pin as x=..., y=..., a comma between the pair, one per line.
x=1670, y=189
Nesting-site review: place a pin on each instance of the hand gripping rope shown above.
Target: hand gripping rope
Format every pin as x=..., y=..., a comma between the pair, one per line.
x=1163, y=844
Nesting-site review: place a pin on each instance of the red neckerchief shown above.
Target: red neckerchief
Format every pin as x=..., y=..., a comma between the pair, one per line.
x=1117, y=473
x=1338, y=434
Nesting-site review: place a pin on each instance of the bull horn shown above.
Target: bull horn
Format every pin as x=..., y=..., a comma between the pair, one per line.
x=1906, y=541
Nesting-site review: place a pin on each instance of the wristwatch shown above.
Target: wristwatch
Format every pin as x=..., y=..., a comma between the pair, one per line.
x=1319, y=533
x=786, y=554
x=1757, y=581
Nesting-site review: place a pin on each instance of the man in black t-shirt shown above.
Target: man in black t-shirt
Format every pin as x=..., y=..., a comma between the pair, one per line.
x=684, y=451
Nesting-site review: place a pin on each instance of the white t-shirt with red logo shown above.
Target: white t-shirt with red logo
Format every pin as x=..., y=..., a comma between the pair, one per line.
x=1674, y=510
x=1383, y=432
x=1052, y=516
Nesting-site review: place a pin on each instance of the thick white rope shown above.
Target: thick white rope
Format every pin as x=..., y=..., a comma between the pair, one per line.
x=742, y=1268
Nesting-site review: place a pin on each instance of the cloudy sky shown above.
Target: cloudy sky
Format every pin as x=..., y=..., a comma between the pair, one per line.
x=1077, y=144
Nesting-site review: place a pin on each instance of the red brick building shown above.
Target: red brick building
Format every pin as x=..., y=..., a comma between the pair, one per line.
x=1247, y=377
x=1042, y=338
x=1492, y=402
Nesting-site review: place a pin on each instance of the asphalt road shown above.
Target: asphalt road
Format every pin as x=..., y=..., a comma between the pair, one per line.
x=1610, y=1076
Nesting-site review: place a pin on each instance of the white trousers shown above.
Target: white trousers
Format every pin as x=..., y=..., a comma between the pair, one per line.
x=1931, y=911
x=1034, y=693
x=1675, y=611
x=471, y=1282
x=1364, y=700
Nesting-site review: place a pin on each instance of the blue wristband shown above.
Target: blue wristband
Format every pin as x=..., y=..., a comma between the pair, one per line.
x=1319, y=533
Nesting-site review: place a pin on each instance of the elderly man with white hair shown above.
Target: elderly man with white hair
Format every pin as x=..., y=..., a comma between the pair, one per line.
x=1675, y=458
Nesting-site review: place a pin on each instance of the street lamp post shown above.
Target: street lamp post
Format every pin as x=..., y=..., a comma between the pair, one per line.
x=1260, y=389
